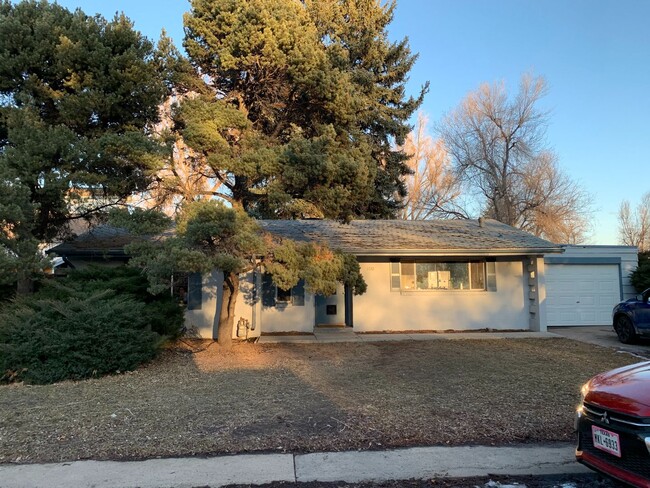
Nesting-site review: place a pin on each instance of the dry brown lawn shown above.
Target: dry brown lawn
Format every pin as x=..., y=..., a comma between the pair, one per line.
x=300, y=398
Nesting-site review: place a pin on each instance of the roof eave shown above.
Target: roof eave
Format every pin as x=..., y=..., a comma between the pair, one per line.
x=84, y=253
x=456, y=252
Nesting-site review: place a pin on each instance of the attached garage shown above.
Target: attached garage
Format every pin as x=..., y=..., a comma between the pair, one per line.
x=584, y=284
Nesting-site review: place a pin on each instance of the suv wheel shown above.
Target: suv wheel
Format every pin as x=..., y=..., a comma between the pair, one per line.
x=625, y=330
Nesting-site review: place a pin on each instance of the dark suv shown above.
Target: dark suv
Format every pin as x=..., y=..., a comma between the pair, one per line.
x=631, y=318
x=613, y=424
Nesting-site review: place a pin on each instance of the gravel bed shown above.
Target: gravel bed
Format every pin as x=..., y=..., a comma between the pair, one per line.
x=305, y=398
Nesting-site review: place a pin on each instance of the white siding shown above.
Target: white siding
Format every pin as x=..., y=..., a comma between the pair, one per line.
x=204, y=322
x=290, y=318
x=381, y=309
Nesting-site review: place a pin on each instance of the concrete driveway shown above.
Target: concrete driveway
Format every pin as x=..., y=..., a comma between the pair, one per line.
x=602, y=336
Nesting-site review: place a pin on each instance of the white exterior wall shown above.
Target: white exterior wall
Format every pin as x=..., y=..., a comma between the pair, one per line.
x=381, y=309
x=285, y=317
x=205, y=320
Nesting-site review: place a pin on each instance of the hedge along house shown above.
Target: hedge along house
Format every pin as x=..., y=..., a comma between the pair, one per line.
x=421, y=275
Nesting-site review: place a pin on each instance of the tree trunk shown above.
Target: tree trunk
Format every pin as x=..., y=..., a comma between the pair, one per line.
x=25, y=284
x=227, y=314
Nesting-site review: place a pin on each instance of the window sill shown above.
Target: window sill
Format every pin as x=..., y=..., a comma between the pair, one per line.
x=434, y=292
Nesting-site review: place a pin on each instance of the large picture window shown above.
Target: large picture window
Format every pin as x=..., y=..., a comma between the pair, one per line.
x=423, y=276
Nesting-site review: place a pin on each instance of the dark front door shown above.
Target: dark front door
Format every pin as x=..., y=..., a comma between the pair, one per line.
x=330, y=310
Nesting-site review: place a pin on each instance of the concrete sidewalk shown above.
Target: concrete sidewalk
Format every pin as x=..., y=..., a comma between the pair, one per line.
x=347, y=334
x=351, y=466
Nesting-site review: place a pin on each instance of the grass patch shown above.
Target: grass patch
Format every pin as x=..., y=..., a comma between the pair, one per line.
x=303, y=397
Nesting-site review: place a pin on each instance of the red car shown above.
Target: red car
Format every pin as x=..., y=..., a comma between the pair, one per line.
x=613, y=424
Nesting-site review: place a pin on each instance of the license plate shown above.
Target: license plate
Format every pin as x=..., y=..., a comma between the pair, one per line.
x=606, y=441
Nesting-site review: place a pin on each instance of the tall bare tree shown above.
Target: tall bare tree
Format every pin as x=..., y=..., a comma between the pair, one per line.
x=553, y=206
x=432, y=187
x=634, y=228
x=497, y=145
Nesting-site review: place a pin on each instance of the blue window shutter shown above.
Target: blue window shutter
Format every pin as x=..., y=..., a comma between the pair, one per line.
x=268, y=291
x=298, y=294
x=194, y=291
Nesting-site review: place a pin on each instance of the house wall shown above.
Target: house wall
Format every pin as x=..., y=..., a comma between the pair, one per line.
x=381, y=309
x=204, y=322
x=287, y=317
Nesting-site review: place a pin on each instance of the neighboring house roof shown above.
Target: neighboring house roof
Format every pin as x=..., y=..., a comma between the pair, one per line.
x=361, y=238
x=414, y=237
x=100, y=241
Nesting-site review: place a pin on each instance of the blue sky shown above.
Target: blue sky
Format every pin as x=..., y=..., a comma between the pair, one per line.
x=595, y=55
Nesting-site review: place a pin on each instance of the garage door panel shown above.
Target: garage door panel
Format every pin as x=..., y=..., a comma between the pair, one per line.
x=581, y=294
x=586, y=286
x=566, y=301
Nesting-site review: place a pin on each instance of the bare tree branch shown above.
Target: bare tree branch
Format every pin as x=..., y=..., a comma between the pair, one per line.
x=432, y=187
x=634, y=229
x=497, y=147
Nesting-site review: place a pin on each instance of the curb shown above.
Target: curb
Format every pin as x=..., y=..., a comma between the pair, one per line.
x=350, y=466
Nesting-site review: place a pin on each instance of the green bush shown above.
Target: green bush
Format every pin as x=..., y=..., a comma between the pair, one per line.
x=44, y=340
x=163, y=314
x=93, y=322
x=640, y=278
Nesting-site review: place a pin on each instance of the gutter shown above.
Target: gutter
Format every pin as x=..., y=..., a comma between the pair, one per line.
x=455, y=252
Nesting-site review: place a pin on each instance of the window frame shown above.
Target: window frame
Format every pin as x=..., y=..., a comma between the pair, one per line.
x=488, y=267
x=270, y=296
x=289, y=294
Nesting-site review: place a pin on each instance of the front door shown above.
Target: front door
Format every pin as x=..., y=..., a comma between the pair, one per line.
x=330, y=310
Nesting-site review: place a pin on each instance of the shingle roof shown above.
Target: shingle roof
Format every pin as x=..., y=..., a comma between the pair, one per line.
x=103, y=239
x=362, y=238
x=414, y=237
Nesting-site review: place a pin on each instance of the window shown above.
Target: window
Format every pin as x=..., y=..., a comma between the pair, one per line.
x=426, y=275
x=273, y=295
x=283, y=295
x=194, y=291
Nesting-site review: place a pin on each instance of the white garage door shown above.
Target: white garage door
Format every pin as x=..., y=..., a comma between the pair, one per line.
x=581, y=294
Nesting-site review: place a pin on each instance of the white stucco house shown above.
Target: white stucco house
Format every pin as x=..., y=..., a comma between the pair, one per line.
x=422, y=276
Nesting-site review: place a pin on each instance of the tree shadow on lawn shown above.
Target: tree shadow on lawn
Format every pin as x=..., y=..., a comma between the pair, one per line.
x=163, y=411
x=300, y=398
